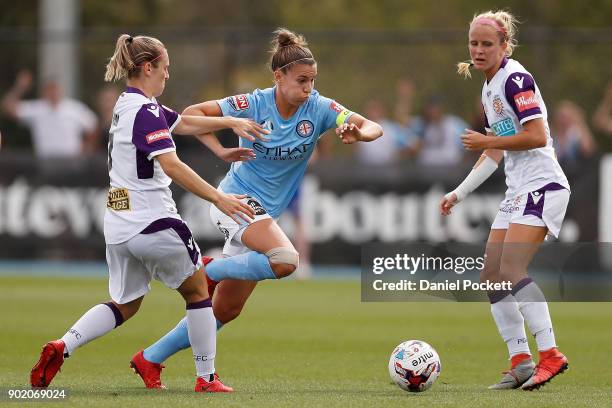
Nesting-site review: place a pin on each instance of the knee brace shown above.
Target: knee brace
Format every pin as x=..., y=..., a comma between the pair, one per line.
x=283, y=255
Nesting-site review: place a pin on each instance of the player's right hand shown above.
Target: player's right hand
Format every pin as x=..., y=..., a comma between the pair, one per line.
x=248, y=129
x=447, y=203
x=231, y=205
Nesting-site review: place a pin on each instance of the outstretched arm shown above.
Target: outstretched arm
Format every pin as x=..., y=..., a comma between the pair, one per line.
x=11, y=99
x=212, y=109
x=485, y=166
x=184, y=176
x=359, y=129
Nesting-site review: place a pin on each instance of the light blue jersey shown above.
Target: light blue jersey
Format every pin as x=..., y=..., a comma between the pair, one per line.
x=274, y=176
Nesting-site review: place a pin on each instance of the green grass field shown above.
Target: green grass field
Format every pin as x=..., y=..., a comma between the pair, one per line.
x=297, y=344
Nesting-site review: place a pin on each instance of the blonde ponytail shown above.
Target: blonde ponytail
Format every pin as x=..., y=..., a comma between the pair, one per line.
x=130, y=54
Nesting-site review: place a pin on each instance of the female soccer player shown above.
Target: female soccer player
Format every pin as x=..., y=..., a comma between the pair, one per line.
x=145, y=236
x=535, y=201
x=296, y=115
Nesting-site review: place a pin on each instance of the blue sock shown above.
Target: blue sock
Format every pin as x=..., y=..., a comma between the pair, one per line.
x=174, y=341
x=248, y=266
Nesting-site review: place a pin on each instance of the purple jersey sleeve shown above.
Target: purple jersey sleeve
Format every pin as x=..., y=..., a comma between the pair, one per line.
x=151, y=133
x=238, y=106
x=521, y=95
x=172, y=118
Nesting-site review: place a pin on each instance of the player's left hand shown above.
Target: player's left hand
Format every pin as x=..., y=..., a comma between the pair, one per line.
x=473, y=140
x=235, y=154
x=349, y=133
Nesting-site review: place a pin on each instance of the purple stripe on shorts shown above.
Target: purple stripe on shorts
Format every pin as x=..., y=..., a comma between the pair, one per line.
x=497, y=295
x=200, y=305
x=181, y=229
x=117, y=313
x=521, y=284
x=534, y=207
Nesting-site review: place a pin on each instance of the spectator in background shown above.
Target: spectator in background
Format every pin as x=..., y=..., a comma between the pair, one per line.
x=410, y=126
x=385, y=150
x=105, y=103
x=572, y=138
x=602, y=119
x=60, y=127
x=441, y=140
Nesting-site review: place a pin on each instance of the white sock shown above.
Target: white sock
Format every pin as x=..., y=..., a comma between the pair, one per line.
x=202, y=328
x=511, y=325
x=534, y=309
x=96, y=322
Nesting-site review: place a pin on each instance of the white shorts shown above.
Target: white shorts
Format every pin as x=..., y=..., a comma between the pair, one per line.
x=232, y=230
x=169, y=255
x=544, y=207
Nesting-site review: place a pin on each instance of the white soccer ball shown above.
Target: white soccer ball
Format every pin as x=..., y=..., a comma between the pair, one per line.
x=414, y=366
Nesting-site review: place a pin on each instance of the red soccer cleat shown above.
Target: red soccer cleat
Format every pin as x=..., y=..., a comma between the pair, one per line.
x=49, y=363
x=212, y=284
x=148, y=371
x=213, y=386
x=552, y=362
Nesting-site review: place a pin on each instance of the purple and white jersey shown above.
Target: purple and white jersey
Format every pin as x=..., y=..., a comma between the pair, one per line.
x=139, y=189
x=510, y=99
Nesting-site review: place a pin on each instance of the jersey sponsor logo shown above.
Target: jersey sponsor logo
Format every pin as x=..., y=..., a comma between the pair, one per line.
x=336, y=107
x=526, y=100
x=283, y=153
x=498, y=105
x=118, y=199
x=154, y=109
x=254, y=204
x=304, y=128
x=238, y=102
x=518, y=80
x=504, y=127
x=157, y=135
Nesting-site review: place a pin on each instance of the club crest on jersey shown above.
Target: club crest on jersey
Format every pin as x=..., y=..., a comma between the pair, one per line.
x=238, y=102
x=304, y=128
x=157, y=135
x=498, y=105
x=526, y=100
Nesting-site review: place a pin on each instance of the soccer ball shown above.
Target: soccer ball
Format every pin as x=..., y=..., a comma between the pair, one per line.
x=414, y=366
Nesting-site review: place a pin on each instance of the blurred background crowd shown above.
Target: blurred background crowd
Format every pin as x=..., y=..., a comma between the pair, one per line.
x=393, y=61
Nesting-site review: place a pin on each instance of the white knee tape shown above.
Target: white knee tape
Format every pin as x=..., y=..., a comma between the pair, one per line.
x=283, y=255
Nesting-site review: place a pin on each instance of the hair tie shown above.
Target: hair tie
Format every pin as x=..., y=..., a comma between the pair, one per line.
x=130, y=39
